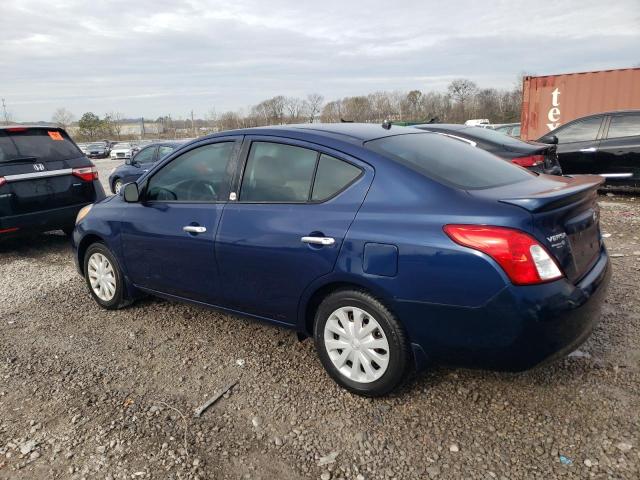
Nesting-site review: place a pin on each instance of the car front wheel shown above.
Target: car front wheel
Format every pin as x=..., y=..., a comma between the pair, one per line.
x=104, y=277
x=117, y=186
x=360, y=343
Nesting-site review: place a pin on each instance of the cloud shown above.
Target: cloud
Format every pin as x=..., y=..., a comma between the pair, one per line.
x=154, y=57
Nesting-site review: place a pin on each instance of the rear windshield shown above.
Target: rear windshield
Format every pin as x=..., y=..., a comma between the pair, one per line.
x=492, y=136
x=449, y=161
x=38, y=144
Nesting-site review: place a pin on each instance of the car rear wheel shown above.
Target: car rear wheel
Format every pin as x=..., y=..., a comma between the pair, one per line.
x=104, y=277
x=117, y=186
x=360, y=343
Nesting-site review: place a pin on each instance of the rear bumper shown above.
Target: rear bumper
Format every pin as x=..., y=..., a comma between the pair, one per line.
x=519, y=328
x=43, y=220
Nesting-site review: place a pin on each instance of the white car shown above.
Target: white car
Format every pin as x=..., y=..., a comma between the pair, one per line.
x=122, y=151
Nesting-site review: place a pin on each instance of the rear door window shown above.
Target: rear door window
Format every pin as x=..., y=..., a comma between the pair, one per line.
x=624, y=126
x=37, y=144
x=277, y=172
x=583, y=131
x=449, y=161
x=164, y=150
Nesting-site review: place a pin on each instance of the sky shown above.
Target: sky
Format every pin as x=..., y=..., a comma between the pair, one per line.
x=168, y=57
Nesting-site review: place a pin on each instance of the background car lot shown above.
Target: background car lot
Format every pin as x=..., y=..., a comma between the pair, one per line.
x=87, y=393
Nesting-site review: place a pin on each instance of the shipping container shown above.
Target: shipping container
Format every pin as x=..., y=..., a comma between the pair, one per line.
x=552, y=100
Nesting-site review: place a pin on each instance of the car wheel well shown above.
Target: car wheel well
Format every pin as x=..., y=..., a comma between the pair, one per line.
x=322, y=293
x=113, y=183
x=84, y=245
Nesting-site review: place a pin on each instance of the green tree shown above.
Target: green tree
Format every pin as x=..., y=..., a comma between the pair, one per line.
x=90, y=125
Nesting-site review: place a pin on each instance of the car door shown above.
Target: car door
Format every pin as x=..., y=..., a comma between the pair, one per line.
x=619, y=151
x=168, y=236
x=578, y=144
x=295, y=204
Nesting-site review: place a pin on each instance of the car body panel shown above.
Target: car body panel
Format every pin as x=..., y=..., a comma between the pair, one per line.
x=456, y=304
x=616, y=158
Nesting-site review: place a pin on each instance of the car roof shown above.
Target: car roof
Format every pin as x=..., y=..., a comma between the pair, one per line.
x=19, y=125
x=356, y=133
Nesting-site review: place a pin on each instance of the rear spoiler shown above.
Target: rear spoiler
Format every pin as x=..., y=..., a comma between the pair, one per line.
x=581, y=187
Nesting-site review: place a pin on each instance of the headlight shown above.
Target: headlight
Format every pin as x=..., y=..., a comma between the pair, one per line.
x=83, y=213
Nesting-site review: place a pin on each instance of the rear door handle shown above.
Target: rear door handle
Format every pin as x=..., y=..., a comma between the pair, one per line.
x=588, y=150
x=194, y=229
x=318, y=240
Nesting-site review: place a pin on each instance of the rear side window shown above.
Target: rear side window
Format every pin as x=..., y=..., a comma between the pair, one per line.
x=278, y=173
x=449, y=161
x=36, y=144
x=332, y=176
x=583, y=131
x=624, y=126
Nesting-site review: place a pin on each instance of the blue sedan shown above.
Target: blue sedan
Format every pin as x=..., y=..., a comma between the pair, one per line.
x=392, y=247
x=141, y=162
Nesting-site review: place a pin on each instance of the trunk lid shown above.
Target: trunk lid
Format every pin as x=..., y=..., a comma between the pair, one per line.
x=550, y=152
x=37, y=165
x=565, y=217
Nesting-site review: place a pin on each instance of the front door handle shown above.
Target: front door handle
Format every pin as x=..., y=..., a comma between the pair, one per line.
x=588, y=150
x=318, y=240
x=194, y=229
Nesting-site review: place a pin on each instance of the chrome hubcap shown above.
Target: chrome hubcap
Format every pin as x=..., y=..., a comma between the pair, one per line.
x=101, y=277
x=118, y=186
x=356, y=344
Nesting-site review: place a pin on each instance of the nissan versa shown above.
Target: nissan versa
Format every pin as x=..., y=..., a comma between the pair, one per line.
x=392, y=247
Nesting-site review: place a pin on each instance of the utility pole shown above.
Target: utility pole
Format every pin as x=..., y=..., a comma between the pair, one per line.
x=4, y=113
x=193, y=126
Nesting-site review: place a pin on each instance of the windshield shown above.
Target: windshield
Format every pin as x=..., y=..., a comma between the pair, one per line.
x=36, y=144
x=96, y=145
x=449, y=161
x=122, y=145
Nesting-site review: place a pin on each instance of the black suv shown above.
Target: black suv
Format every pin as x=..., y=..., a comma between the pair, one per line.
x=606, y=144
x=44, y=180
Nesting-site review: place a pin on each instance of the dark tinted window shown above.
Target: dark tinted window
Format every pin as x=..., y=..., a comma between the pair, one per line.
x=199, y=175
x=332, y=176
x=164, y=150
x=41, y=144
x=624, y=126
x=489, y=135
x=145, y=155
x=278, y=173
x=449, y=160
x=583, y=131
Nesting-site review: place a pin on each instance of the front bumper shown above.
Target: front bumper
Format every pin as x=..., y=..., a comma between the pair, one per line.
x=519, y=328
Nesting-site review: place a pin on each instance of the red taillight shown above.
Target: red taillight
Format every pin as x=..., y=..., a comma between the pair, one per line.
x=88, y=174
x=9, y=230
x=530, y=161
x=2, y=181
x=17, y=129
x=522, y=258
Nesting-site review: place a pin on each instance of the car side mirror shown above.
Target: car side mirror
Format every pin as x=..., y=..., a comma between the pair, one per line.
x=128, y=161
x=550, y=139
x=131, y=193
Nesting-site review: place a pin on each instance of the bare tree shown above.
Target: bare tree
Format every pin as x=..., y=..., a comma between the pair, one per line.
x=314, y=103
x=114, y=120
x=294, y=107
x=62, y=117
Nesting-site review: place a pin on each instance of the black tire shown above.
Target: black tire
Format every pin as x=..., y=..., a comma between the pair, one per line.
x=113, y=186
x=119, y=299
x=399, y=359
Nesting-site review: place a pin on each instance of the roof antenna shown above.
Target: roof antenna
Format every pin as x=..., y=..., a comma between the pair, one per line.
x=386, y=124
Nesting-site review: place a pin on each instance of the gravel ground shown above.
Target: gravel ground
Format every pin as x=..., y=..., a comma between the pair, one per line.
x=86, y=393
